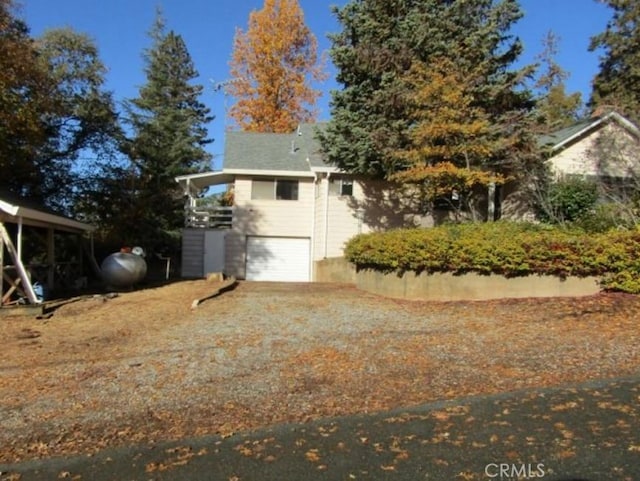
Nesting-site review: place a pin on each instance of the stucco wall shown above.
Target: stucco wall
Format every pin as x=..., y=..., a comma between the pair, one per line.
x=447, y=287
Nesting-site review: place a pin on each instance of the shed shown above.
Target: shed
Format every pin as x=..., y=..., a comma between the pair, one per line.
x=23, y=213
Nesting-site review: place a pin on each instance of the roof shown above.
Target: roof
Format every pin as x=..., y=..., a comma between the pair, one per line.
x=13, y=208
x=298, y=151
x=561, y=138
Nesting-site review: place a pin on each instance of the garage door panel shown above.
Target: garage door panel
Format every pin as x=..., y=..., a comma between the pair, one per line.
x=278, y=259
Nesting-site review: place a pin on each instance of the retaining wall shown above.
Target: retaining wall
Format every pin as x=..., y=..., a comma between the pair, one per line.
x=334, y=269
x=471, y=286
x=449, y=287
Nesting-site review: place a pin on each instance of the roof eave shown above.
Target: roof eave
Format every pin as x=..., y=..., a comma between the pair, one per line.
x=611, y=115
x=38, y=218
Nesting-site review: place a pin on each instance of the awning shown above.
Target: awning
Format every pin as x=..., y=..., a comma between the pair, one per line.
x=194, y=183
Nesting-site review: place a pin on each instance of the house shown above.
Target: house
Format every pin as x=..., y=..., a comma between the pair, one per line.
x=604, y=148
x=599, y=147
x=290, y=210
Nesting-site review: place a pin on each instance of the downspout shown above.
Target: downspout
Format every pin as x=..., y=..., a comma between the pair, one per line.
x=326, y=217
x=313, y=225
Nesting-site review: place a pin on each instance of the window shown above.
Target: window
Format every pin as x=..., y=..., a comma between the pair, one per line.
x=287, y=189
x=274, y=189
x=262, y=189
x=341, y=187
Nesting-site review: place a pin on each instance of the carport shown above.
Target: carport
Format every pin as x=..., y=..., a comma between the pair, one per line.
x=17, y=215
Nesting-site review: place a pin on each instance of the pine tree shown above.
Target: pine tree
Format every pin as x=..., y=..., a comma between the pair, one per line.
x=555, y=108
x=272, y=65
x=380, y=50
x=617, y=84
x=169, y=126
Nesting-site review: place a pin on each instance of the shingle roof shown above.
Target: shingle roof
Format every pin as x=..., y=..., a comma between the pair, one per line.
x=265, y=151
x=560, y=136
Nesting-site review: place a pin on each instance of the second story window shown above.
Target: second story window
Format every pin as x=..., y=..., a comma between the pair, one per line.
x=341, y=187
x=287, y=189
x=274, y=189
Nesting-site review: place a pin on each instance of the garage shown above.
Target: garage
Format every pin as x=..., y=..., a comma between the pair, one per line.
x=278, y=259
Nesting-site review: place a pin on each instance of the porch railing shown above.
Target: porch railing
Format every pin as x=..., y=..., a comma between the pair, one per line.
x=206, y=217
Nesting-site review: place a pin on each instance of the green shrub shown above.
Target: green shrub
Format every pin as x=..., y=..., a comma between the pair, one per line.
x=605, y=217
x=509, y=249
x=568, y=200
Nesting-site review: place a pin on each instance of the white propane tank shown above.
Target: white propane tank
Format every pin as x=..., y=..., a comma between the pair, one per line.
x=124, y=269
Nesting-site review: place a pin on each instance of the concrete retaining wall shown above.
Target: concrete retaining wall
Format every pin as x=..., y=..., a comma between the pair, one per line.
x=448, y=287
x=334, y=269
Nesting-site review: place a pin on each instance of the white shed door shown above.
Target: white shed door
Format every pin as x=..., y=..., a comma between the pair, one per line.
x=277, y=259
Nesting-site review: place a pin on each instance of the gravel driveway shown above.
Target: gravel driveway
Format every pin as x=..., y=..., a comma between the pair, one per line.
x=144, y=367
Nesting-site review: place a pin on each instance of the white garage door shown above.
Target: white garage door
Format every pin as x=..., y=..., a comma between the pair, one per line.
x=277, y=259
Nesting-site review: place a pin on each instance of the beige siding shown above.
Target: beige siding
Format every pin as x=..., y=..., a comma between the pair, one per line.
x=374, y=206
x=610, y=151
x=273, y=218
x=281, y=218
x=342, y=221
x=319, y=221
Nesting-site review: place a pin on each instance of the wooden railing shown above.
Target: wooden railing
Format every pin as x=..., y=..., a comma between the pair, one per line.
x=206, y=217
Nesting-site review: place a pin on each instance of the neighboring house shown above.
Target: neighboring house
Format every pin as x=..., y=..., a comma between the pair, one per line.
x=290, y=210
x=599, y=147
x=605, y=149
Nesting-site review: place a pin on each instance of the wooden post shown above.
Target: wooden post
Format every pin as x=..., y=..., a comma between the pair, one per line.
x=1, y=268
x=51, y=258
x=17, y=262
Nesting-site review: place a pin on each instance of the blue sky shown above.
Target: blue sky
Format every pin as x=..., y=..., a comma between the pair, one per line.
x=120, y=27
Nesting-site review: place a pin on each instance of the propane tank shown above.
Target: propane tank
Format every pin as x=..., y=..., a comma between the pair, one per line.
x=124, y=269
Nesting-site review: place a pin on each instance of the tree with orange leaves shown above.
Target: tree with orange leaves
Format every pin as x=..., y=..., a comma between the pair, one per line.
x=272, y=65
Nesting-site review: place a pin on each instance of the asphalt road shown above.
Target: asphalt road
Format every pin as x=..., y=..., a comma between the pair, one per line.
x=587, y=431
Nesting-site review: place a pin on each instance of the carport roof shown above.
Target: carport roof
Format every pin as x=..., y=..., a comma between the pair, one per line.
x=15, y=209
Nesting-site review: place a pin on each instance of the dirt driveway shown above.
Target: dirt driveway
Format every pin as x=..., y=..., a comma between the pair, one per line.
x=144, y=367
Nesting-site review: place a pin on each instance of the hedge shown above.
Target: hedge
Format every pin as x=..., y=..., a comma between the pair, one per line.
x=507, y=248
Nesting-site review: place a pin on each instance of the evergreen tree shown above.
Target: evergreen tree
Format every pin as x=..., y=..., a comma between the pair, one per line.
x=384, y=47
x=271, y=67
x=617, y=84
x=169, y=138
x=52, y=107
x=555, y=108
